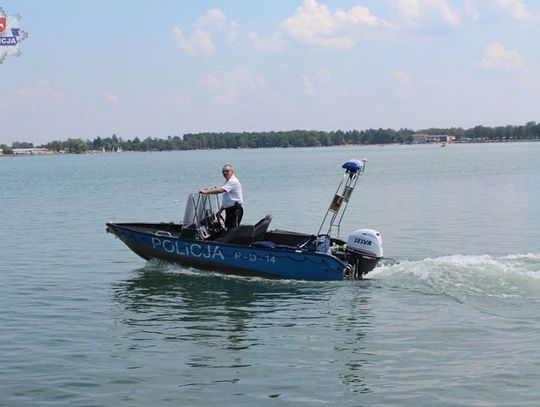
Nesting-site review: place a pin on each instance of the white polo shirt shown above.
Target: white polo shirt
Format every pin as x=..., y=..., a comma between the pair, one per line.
x=233, y=192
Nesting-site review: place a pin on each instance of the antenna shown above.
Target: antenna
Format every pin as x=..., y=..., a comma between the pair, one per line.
x=338, y=205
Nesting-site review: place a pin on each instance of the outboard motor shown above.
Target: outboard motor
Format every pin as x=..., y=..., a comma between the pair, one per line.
x=364, y=250
x=364, y=246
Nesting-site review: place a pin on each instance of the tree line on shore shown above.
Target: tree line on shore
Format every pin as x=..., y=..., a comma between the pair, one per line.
x=293, y=138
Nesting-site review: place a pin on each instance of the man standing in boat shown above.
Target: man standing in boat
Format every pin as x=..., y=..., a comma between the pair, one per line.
x=232, y=197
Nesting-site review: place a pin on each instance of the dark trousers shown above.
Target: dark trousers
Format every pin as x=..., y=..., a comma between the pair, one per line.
x=233, y=216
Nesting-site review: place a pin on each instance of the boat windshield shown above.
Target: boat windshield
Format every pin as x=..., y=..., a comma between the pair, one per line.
x=200, y=212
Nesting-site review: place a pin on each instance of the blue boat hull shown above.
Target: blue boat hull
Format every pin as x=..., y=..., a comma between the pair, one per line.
x=227, y=257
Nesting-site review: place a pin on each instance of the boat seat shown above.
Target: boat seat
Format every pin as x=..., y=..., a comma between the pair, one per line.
x=261, y=227
x=242, y=234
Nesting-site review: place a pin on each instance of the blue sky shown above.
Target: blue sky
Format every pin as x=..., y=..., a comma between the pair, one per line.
x=166, y=68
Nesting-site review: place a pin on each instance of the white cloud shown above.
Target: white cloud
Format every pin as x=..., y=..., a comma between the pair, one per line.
x=39, y=95
x=273, y=44
x=470, y=9
x=212, y=19
x=518, y=10
x=403, y=82
x=41, y=90
x=235, y=86
x=110, y=98
x=308, y=86
x=497, y=11
x=358, y=15
x=431, y=83
x=409, y=9
x=323, y=75
x=35, y=111
x=200, y=41
x=498, y=58
x=232, y=34
x=315, y=24
x=428, y=12
x=313, y=83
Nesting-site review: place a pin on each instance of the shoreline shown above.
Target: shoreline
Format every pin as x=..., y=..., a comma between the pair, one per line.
x=100, y=152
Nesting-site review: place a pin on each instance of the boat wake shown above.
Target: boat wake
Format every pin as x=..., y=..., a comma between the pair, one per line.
x=513, y=278
x=482, y=280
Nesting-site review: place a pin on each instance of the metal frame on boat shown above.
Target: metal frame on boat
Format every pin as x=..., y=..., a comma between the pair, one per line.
x=202, y=241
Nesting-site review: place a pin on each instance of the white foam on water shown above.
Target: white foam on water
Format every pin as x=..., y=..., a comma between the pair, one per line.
x=511, y=277
x=462, y=277
x=171, y=268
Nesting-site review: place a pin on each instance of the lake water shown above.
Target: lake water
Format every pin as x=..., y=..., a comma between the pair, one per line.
x=451, y=317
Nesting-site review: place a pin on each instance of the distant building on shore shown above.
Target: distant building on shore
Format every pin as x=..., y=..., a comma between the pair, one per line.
x=420, y=138
x=30, y=151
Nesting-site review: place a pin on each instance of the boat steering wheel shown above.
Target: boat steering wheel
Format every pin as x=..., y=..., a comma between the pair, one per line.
x=215, y=224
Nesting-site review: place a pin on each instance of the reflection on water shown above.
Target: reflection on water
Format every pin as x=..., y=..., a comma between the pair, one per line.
x=212, y=305
x=307, y=329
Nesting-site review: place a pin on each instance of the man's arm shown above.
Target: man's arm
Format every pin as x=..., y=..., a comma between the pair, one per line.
x=212, y=191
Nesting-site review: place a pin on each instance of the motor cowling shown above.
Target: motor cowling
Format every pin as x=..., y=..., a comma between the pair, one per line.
x=364, y=250
x=365, y=242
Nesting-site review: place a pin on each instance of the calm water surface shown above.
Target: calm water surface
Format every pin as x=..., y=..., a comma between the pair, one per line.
x=451, y=318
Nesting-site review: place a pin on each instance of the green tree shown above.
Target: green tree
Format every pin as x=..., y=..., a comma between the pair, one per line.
x=6, y=149
x=22, y=144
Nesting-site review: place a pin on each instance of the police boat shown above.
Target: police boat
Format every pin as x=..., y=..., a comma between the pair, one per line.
x=201, y=241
